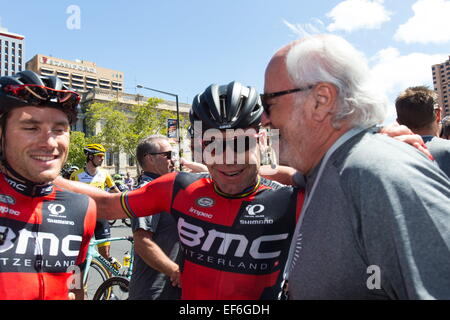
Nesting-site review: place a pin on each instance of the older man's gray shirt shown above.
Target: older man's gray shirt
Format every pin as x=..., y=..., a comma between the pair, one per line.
x=440, y=149
x=377, y=227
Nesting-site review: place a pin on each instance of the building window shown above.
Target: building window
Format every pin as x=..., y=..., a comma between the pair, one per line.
x=109, y=159
x=76, y=76
x=62, y=74
x=78, y=82
x=112, y=159
x=131, y=161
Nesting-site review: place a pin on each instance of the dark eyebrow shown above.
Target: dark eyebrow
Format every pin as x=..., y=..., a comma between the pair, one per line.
x=37, y=122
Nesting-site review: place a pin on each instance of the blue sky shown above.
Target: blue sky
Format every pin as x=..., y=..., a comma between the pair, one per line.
x=182, y=46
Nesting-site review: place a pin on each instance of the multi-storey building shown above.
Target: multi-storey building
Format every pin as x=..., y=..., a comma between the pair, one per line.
x=12, y=54
x=78, y=75
x=441, y=81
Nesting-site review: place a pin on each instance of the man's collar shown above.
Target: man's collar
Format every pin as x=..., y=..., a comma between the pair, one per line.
x=151, y=174
x=29, y=190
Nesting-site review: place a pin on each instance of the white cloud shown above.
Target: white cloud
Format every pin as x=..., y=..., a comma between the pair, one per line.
x=2, y=28
x=393, y=72
x=301, y=30
x=430, y=23
x=351, y=15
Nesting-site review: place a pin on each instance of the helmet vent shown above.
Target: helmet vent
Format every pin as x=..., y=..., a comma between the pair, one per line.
x=223, y=108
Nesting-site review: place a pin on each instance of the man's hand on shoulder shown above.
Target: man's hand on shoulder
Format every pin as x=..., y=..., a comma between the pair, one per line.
x=404, y=134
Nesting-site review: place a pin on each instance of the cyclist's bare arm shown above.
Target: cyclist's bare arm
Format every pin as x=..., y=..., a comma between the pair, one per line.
x=108, y=204
x=281, y=174
x=153, y=198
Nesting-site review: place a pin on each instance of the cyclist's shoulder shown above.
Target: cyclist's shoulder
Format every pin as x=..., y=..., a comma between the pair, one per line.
x=64, y=195
x=275, y=186
x=104, y=173
x=188, y=178
x=76, y=174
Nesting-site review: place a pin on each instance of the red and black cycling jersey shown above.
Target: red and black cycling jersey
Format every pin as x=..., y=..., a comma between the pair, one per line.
x=44, y=232
x=233, y=248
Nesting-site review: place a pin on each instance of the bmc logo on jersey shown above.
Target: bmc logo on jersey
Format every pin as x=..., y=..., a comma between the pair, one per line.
x=52, y=243
x=14, y=184
x=192, y=236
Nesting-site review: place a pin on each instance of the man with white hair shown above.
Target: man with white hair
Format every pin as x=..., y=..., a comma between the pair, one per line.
x=376, y=219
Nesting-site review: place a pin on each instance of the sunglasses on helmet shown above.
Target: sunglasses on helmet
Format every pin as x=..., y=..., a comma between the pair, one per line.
x=35, y=94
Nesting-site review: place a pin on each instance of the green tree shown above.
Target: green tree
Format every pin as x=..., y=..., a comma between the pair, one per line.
x=120, y=128
x=76, y=155
x=109, y=123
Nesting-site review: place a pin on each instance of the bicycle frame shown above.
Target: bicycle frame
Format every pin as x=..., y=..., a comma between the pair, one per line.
x=94, y=254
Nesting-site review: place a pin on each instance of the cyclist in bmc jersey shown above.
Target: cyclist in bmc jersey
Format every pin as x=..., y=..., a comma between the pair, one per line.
x=44, y=230
x=100, y=178
x=234, y=226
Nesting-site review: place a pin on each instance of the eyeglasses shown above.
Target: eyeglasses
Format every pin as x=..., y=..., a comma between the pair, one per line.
x=237, y=143
x=168, y=154
x=35, y=94
x=267, y=96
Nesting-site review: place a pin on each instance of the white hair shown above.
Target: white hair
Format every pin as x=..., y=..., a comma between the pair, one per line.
x=331, y=59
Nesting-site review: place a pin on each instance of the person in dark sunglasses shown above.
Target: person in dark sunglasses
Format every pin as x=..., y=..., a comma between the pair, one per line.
x=35, y=117
x=156, y=267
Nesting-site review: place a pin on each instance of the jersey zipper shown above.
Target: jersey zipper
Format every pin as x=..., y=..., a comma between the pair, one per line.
x=39, y=255
x=226, y=239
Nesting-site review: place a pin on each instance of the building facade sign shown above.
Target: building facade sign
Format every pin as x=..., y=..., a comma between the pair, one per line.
x=53, y=62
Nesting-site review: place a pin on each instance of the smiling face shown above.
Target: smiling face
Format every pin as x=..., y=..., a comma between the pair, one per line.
x=233, y=177
x=37, y=142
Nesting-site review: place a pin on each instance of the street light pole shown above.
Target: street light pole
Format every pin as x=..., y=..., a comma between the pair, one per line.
x=178, y=114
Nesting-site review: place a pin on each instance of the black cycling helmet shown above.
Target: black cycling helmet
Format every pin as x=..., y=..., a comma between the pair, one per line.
x=28, y=88
x=231, y=106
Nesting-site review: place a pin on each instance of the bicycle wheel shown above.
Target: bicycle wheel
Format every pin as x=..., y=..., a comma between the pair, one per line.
x=115, y=288
x=97, y=274
x=127, y=222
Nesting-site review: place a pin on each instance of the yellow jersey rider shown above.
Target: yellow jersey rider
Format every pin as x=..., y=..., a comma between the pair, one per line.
x=94, y=175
